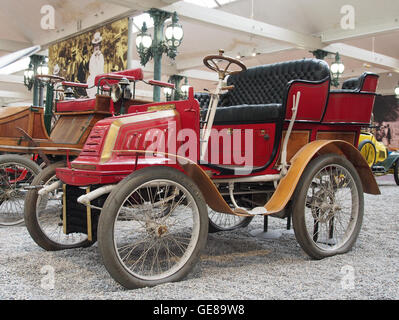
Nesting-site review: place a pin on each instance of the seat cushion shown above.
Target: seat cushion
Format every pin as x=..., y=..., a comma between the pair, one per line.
x=244, y=114
x=76, y=105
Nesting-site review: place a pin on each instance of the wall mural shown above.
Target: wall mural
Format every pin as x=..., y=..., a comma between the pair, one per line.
x=386, y=120
x=82, y=58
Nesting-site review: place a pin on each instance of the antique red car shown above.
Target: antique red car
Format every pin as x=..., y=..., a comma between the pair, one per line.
x=150, y=184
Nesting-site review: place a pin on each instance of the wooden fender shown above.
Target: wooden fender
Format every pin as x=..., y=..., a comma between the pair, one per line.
x=301, y=159
x=287, y=185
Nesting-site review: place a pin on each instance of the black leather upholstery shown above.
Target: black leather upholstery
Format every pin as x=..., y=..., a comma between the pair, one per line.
x=259, y=91
x=243, y=114
x=203, y=98
x=266, y=84
x=351, y=84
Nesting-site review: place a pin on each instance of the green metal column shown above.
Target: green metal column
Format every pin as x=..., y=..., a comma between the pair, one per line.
x=176, y=80
x=36, y=61
x=48, y=110
x=157, y=46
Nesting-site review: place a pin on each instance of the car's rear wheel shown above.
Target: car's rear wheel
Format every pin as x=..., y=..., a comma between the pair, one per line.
x=16, y=173
x=328, y=207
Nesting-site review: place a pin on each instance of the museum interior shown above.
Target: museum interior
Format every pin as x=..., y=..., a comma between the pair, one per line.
x=191, y=123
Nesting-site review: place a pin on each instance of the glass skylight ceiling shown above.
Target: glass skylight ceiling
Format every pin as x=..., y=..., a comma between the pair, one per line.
x=210, y=3
x=145, y=17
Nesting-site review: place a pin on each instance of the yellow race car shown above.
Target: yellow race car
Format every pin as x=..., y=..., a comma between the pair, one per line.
x=372, y=150
x=379, y=158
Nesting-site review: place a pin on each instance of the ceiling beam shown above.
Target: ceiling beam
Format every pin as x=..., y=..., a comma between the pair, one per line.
x=369, y=30
x=12, y=45
x=11, y=78
x=242, y=50
x=244, y=25
x=200, y=74
x=359, y=71
x=376, y=59
x=14, y=94
x=141, y=4
x=229, y=21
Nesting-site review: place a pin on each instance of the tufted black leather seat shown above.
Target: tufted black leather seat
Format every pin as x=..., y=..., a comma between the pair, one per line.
x=203, y=98
x=258, y=92
x=351, y=84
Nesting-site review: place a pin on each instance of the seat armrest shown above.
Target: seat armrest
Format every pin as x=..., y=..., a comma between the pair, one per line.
x=75, y=84
x=315, y=93
x=161, y=84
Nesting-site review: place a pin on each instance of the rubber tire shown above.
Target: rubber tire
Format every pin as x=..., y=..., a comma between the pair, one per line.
x=363, y=143
x=396, y=171
x=213, y=228
x=111, y=208
x=30, y=213
x=299, y=199
x=26, y=163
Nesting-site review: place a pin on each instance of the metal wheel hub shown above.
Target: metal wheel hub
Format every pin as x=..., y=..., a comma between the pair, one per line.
x=157, y=230
x=10, y=194
x=323, y=207
x=326, y=213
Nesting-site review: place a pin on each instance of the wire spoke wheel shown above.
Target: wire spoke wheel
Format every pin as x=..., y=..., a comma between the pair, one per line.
x=328, y=207
x=16, y=173
x=226, y=222
x=44, y=215
x=154, y=234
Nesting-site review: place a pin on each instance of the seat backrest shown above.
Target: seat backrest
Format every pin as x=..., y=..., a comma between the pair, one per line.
x=203, y=98
x=350, y=84
x=366, y=82
x=266, y=84
x=136, y=73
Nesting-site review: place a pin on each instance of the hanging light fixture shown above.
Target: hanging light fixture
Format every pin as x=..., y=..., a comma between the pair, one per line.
x=337, y=69
x=28, y=77
x=43, y=69
x=174, y=33
x=37, y=65
x=165, y=40
x=143, y=44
